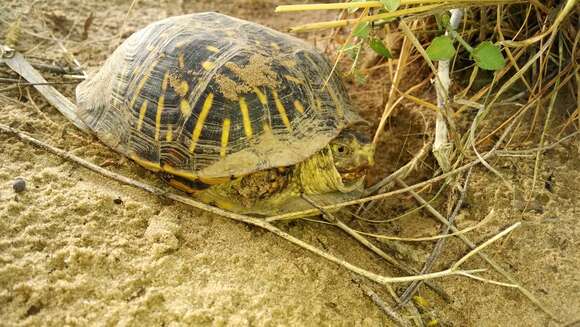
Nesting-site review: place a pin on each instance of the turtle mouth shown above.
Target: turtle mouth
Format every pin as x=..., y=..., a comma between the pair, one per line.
x=351, y=184
x=349, y=175
x=360, y=170
x=353, y=179
x=353, y=175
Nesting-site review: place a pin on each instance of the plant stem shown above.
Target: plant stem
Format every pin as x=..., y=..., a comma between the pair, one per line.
x=453, y=33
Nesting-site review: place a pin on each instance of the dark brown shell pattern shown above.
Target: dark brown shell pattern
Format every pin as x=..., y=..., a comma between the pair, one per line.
x=208, y=96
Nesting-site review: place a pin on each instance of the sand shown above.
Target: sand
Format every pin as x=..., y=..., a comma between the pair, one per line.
x=78, y=249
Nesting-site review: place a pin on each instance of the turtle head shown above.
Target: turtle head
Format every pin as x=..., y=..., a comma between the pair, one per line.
x=353, y=154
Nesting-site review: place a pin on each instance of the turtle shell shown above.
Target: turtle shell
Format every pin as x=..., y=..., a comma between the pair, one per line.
x=207, y=97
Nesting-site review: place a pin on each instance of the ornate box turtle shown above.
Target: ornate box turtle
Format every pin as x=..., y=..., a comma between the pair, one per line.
x=235, y=113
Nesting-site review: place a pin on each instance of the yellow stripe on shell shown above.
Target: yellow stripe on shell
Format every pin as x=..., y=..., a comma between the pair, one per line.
x=246, y=118
x=179, y=172
x=264, y=101
x=200, y=121
x=142, y=113
x=165, y=82
x=281, y=110
x=208, y=65
x=149, y=165
x=141, y=84
x=160, y=105
x=225, y=137
x=169, y=134
x=298, y=106
x=212, y=48
x=193, y=177
x=261, y=96
x=328, y=87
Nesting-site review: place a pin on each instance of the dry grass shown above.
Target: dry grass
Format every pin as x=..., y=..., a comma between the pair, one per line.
x=540, y=41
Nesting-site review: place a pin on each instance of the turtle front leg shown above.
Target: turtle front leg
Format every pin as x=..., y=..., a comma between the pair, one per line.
x=262, y=184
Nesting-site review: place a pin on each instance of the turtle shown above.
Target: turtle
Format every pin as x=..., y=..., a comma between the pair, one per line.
x=236, y=114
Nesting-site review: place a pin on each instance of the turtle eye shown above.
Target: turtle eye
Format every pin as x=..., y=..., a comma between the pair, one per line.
x=341, y=149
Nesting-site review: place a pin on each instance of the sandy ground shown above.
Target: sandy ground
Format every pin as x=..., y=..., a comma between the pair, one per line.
x=79, y=249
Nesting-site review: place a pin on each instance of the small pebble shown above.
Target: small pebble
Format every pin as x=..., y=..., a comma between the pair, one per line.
x=19, y=185
x=118, y=201
x=549, y=183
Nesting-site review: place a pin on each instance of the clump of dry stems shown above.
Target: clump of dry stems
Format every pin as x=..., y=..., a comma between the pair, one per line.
x=539, y=41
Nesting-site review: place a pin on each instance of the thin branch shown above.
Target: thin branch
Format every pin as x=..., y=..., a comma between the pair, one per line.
x=346, y=22
x=391, y=313
x=441, y=236
x=379, y=4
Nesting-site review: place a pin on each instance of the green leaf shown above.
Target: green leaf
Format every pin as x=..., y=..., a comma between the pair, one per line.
x=441, y=48
x=391, y=5
x=362, y=30
x=488, y=56
x=378, y=46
